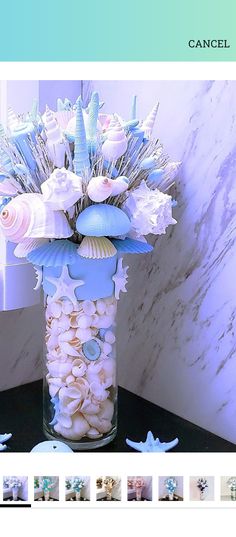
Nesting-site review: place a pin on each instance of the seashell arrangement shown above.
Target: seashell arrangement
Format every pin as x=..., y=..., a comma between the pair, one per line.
x=80, y=189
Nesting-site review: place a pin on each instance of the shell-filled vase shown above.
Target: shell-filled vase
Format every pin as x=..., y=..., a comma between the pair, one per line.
x=80, y=388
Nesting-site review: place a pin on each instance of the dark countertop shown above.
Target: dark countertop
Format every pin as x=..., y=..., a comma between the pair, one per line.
x=21, y=415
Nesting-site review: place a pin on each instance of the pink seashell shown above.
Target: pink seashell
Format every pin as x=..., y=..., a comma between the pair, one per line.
x=99, y=188
x=70, y=379
x=110, y=337
x=107, y=348
x=79, y=368
x=68, y=335
x=68, y=349
x=101, y=307
x=58, y=369
x=84, y=334
x=67, y=307
x=84, y=321
x=64, y=421
x=93, y=433
x=89, y=307
x=78, y=429
x=90, y=408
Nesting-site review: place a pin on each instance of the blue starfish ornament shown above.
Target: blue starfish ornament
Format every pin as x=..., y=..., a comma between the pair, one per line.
x=152, y=445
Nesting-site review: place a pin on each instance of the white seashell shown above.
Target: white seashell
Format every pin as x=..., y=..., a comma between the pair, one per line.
x=116, y=143
x=70, y=379
x=79, y=368
x=84, y=321
x=78, y=429
x=93, y=433
x=64, y=421
x=101, y=307
x=107, y=348
x=73, y=322
x=68, y=349
x=52, y=342
x=55, y=309
x=84, y=334
x=55, y=142
x=90, y=408
x=119, y=185
x=148, y=123
x=96, y=248
x=111, y=310
x=68, y=335
x=110, y=337
x=94, y=320
x=58, y=369
x=89, y=307
x=105, y=321
x=102, y=420
x=62, y=189
x=67, y=307
x=99, y=188
x=64, y=323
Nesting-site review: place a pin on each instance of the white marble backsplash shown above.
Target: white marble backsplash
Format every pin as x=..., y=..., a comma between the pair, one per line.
x=176, y=325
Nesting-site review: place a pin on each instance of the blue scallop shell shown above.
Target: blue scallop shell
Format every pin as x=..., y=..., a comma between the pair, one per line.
x=102, y=220
x=91, y=349
x=54, y=254
x=132, y=246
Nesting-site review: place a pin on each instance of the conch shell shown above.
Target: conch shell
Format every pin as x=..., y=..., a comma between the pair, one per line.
x=100, y=188
x=116, y=143
x=148, y=123
x=62, y=189
x=28, y=216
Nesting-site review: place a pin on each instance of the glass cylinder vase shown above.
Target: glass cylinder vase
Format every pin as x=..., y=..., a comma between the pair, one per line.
x=80, y=390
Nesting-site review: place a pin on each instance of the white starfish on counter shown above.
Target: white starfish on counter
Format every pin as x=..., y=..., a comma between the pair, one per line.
x=151, y=444
x=120, y=279
x=4, y=438
x=65, y=285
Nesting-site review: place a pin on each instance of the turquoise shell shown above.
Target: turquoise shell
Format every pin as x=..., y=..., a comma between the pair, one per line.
x=103, y=220
x=132, y=246
x=91, y=349
x=54, y=254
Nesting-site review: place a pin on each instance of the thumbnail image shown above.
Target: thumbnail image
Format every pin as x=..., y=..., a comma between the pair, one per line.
x=170, y=488
x=77, y=488
x=108, y=488
x=139, y=488
x=46, y=488
x=201, y=488
x=15, y=488
x=228, y=488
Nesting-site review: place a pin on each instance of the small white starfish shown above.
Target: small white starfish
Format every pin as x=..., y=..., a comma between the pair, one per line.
x=39, y=277
x=152, y=444
x=65, y=285
x=120, y=279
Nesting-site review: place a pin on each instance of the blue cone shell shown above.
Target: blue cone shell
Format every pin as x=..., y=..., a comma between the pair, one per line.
x=132, y=246
x=102, y=220
x=91, y=349
x=54, y=254
x=155, y=177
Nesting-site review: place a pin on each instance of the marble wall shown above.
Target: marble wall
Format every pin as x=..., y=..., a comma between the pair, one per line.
x=176, y=340
x=176, y=335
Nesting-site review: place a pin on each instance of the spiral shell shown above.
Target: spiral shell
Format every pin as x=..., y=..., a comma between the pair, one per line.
x=100, y=188
x=28, y=216
x=62, y=189
x=81, y=156
x=96, y=248
x=116, y=143
x=148, y=123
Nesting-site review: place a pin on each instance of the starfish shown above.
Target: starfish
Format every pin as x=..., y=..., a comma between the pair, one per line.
x=120, y=279
x=65, y=286
x=151, y=444
x=4, y=438
x=39, y=277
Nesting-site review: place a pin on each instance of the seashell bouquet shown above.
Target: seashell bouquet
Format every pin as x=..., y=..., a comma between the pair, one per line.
x=81, y=189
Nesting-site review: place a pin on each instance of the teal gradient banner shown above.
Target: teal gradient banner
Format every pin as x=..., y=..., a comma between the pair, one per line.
x=126, y=30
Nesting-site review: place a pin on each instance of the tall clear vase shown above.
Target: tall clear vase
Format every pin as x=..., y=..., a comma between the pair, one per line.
x=80, y=389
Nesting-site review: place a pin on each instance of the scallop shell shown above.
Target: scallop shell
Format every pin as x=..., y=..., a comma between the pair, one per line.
x=148, y=123
x=103, y=220
x=96, y=248
x=26, y=246
x=62, y=189
x=81, y=155
x=116, y=143
x=119, y=185
x=155, y=177
x=44, y=222
x=99, y=188
x=54, y=254
x=131, y=246
x=91, y=349
x=89, y=307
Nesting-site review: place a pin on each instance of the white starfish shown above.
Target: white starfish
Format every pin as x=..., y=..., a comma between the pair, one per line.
x=65, y=285
x=120, y=279
x=39, y=277
x=152, y=444
x=4, y=438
